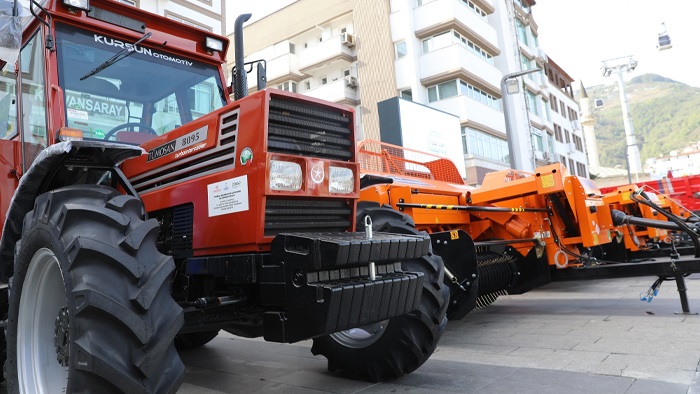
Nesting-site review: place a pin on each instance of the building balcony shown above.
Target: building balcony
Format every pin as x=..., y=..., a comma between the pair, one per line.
x=441, y=15
x=470, y=110
x=280, y=69
x=325, y=52
x=456, y=61
x=339, y=91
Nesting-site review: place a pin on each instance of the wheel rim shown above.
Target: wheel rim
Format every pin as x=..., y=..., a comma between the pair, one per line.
x=42, y=301
x=361, y=337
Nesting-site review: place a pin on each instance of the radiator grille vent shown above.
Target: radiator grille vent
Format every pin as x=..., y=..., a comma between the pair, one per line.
x=308, y=129
x=222, y=156
x=307, y=215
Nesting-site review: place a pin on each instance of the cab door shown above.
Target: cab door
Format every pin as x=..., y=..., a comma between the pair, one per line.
x=23, y=121
x=32, y=103
x=9, y=137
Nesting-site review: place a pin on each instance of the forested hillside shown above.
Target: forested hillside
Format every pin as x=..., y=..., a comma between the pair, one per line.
x=665, y=116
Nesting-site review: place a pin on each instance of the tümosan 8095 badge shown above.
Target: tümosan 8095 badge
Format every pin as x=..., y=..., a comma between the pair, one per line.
x=246, y=156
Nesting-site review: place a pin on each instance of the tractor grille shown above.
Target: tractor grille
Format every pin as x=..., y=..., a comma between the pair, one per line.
x=308, y=129
x=306, y=215
x=212, y=159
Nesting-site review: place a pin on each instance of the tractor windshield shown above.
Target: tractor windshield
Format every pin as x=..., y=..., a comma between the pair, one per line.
x=148, y=93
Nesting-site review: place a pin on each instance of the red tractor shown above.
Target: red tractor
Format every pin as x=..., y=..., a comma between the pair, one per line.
x=145, y=210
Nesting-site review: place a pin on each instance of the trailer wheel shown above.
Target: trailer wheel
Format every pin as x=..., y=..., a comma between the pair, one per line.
x=90, y=305
x=193, y=340
x=394, y=347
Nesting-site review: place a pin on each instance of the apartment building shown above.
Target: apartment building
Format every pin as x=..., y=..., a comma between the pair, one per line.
x=449, y=55
x=567, y=144
x=204, y=14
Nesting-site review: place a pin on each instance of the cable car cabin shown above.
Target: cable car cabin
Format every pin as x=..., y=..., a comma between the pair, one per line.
x=664, y=42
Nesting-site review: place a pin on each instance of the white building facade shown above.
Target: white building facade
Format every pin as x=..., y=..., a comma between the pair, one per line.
x=208, y=15
x=447, y=54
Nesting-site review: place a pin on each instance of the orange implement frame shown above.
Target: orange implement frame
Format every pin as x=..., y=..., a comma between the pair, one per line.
x=379, y=157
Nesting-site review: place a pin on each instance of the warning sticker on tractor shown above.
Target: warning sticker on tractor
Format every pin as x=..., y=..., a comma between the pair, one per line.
x=77, y=114
x=547, y=181
x=228, y=196
x=454, y=234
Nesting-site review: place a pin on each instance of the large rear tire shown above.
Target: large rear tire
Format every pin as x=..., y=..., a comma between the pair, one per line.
x=90, y=305
x=398, y=346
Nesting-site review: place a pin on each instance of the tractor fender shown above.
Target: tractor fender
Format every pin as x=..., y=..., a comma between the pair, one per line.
x=48, y=172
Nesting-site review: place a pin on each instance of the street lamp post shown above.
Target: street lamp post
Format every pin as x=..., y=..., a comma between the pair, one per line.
x=504, y=94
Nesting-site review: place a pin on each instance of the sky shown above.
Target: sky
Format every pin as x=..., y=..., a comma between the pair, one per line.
x=259, y=9
x=579, y=35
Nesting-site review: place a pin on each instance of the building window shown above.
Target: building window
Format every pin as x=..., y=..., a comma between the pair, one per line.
x=449, y=89
x=572, y=169
x=479, y=95
x=562, y=108
x=289, y=86
x=448, y=38
x=522, y=31
x=442, y=91
x=532, y=103
x=406, y=94
x=475, y=8
x=324, y=81
x=581, y=169
x=553, y=102
x=485, y=145
x=292, y=48
x=437, y=41
x=187, y=22
x=537, y=139
x=401, y=49
x=550, y=144
x=578, y=142
x=307, y=85
x=568, y=136
x=557, y=133
x=525, y=63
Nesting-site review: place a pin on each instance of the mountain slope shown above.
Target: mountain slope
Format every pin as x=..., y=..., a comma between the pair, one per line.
x=664, y=115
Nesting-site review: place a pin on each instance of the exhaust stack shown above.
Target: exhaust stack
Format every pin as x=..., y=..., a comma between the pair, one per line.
x=240, y=83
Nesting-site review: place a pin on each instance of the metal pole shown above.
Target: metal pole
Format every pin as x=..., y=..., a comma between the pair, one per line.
x=506, y=114
x=635, y=163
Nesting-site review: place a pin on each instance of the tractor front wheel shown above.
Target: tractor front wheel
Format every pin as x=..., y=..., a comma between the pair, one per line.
x=395, y=347
x=90, y=305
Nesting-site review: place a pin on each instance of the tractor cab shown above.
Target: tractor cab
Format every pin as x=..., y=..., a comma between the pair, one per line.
x=115, y=90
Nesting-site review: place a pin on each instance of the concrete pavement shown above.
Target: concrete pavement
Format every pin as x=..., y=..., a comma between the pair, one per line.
x=577, y=337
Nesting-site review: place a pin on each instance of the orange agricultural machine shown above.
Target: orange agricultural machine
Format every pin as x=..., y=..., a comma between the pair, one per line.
x=683, y=191
x=522, y=230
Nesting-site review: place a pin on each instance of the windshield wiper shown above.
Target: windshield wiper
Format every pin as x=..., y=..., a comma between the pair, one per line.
x=126, y=52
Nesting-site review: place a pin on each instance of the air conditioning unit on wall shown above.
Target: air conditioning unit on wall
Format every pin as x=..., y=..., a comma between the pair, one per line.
x=348, y=40
x=350, y=81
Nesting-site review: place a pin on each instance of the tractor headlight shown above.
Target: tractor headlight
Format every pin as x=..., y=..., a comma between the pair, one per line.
x=285, y=175
x=341, y=180
x=213, y=44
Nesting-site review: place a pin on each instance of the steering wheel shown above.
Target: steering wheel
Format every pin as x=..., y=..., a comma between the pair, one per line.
x=141, y=126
